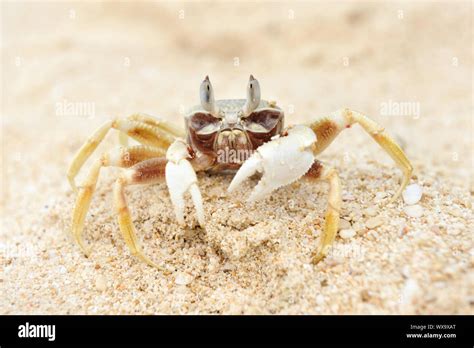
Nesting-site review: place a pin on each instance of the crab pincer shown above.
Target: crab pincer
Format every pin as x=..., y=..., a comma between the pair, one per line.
x=180, y=178
x=282, y=161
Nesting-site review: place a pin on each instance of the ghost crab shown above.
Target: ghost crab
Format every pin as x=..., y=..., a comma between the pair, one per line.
x=246, y=135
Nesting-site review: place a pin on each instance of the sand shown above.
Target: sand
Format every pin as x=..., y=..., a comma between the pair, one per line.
x=312, y=58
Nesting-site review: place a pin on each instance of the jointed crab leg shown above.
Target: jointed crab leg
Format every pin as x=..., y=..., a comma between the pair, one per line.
x=146, y=172
x=327, y=128
x=143, y=128
x=331, y=222
x=152, y=121
x=121, y=157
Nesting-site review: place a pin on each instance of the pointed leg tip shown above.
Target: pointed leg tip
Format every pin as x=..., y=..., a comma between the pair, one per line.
x=396, y=196
x=318, y=255
x=87, y=251
x=151, y=263
x=317, y=258
x=77, y=234
x=391, y=200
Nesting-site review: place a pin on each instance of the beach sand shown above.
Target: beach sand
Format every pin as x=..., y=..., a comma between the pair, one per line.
x=115, y=59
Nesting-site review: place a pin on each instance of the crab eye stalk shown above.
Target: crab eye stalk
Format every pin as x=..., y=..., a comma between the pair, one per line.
x=207, y=97
x=253, y=96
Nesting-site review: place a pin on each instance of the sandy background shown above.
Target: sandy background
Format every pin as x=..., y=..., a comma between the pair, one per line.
x=313, y=58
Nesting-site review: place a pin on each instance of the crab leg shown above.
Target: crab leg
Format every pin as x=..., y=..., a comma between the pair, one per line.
x=181, y=177
x=327, y=128
x=147, y=172
x=121, y=157
x=331, y=222
x=142, y=128
x=153, y=121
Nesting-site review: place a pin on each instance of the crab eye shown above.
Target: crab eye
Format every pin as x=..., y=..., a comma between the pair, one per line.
x=203, y=123
x=262, y=121
x=253, y=96
x=207, y=96
x=209, y=129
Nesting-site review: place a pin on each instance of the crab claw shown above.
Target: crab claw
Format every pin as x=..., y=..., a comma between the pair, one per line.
x=181, y=177
x=282, y=161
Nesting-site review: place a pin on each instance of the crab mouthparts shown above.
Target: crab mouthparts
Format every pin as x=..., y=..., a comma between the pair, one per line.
x=232, y=147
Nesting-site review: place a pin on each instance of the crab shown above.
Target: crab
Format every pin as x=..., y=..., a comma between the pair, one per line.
x=246, y=136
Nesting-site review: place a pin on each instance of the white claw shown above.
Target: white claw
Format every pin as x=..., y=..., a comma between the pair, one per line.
x=197, y=200
x=248, y=168
x=180, y=178
x=282, y=161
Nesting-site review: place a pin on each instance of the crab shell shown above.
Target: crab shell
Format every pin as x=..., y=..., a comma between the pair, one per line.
x=228, y=131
